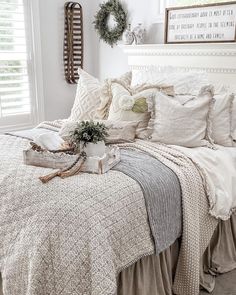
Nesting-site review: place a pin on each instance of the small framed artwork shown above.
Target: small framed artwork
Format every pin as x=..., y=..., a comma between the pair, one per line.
x=206, y=23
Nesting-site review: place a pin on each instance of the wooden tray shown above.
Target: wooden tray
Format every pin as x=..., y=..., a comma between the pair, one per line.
x=62, y=160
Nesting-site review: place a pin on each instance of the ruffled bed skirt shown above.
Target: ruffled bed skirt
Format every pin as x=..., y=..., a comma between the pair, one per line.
x=153, y=275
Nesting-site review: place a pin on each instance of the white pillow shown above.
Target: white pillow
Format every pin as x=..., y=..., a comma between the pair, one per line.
x=123, y=107
x=106, y=95
x=183, y=82
x=222, y=119
x=182, y=123
x=87, y=97
x=131, y=104
x=234, y=121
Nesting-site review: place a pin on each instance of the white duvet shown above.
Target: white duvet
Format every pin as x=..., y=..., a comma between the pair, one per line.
x=220, y=168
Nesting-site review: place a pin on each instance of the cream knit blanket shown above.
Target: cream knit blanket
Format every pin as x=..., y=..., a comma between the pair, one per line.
x=198, y=225
x=74, y=236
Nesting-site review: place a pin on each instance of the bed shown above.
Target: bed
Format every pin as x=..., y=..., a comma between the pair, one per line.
x=91, y=235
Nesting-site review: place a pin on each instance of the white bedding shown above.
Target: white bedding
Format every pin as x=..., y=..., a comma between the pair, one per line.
x=220, y=167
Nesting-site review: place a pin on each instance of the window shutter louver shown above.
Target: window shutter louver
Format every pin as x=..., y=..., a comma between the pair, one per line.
x=15, y=97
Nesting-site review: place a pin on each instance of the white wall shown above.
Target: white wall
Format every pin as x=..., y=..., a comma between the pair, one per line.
x=112, y=60
x=58, y=95
x=99, y=59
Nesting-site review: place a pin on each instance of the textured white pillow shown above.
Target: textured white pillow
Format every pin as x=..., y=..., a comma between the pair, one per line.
x=183, y=82
x=234, y=121
x=131, y=104
x=87, y=97
x=222, y=119
x=219, y=89
x=182, y=123
x=123, y=103
x=106, y=95
x=89, y=94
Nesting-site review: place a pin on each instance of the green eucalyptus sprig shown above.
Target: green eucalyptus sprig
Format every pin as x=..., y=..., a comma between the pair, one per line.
x=88, y=131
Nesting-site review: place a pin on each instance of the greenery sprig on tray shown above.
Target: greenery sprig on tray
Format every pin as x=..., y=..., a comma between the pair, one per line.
x=88, y=131
x=112, y=7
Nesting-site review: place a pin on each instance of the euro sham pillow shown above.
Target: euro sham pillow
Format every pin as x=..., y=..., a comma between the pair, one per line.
x=183, y=82
x=88, y=96
x=119, y=131
x=132, y=104
x=183, y=121
x=222, y=120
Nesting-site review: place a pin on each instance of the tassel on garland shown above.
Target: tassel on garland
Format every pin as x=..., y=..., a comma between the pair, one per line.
x=74, y=170
x=69, y=171
x=49, y=177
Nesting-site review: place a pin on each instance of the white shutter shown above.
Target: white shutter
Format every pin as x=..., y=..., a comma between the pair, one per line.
x=16, y=93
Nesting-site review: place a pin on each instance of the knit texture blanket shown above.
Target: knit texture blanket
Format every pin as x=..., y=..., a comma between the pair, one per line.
x=74, y=236
x=198, y=224
x=162, y=193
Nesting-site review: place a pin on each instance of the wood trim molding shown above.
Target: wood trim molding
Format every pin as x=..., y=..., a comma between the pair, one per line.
x=195, y=69
x=213, y=49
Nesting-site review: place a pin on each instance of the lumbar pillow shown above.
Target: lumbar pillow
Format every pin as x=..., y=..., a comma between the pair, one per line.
x=131, y=104
x=183, y=121
x=119, y=131
x=106, y=96
x=223, y=119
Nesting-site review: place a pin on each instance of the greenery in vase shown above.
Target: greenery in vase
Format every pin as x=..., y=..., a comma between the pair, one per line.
x=88, y=131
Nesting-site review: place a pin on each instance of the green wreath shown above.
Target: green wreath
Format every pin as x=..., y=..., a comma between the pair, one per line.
x=112, y=7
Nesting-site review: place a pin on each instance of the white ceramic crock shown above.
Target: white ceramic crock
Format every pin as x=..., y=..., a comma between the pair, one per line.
x=93, y=149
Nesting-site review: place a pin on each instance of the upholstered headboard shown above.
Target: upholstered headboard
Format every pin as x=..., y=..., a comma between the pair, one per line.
x=218, y=60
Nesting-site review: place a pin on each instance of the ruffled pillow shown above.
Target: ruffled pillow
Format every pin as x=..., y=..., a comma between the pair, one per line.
x=106, y=95
x=222, y=122
x=234, y=122
x=183, y=121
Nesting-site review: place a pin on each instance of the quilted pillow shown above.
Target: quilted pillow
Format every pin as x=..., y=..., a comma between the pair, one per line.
x=119, y=131
x=131, y=104
x=182, y=121
x=222, y=119
x=87, y=97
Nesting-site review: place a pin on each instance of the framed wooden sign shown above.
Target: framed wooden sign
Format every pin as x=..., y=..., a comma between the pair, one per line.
x=201, y=23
